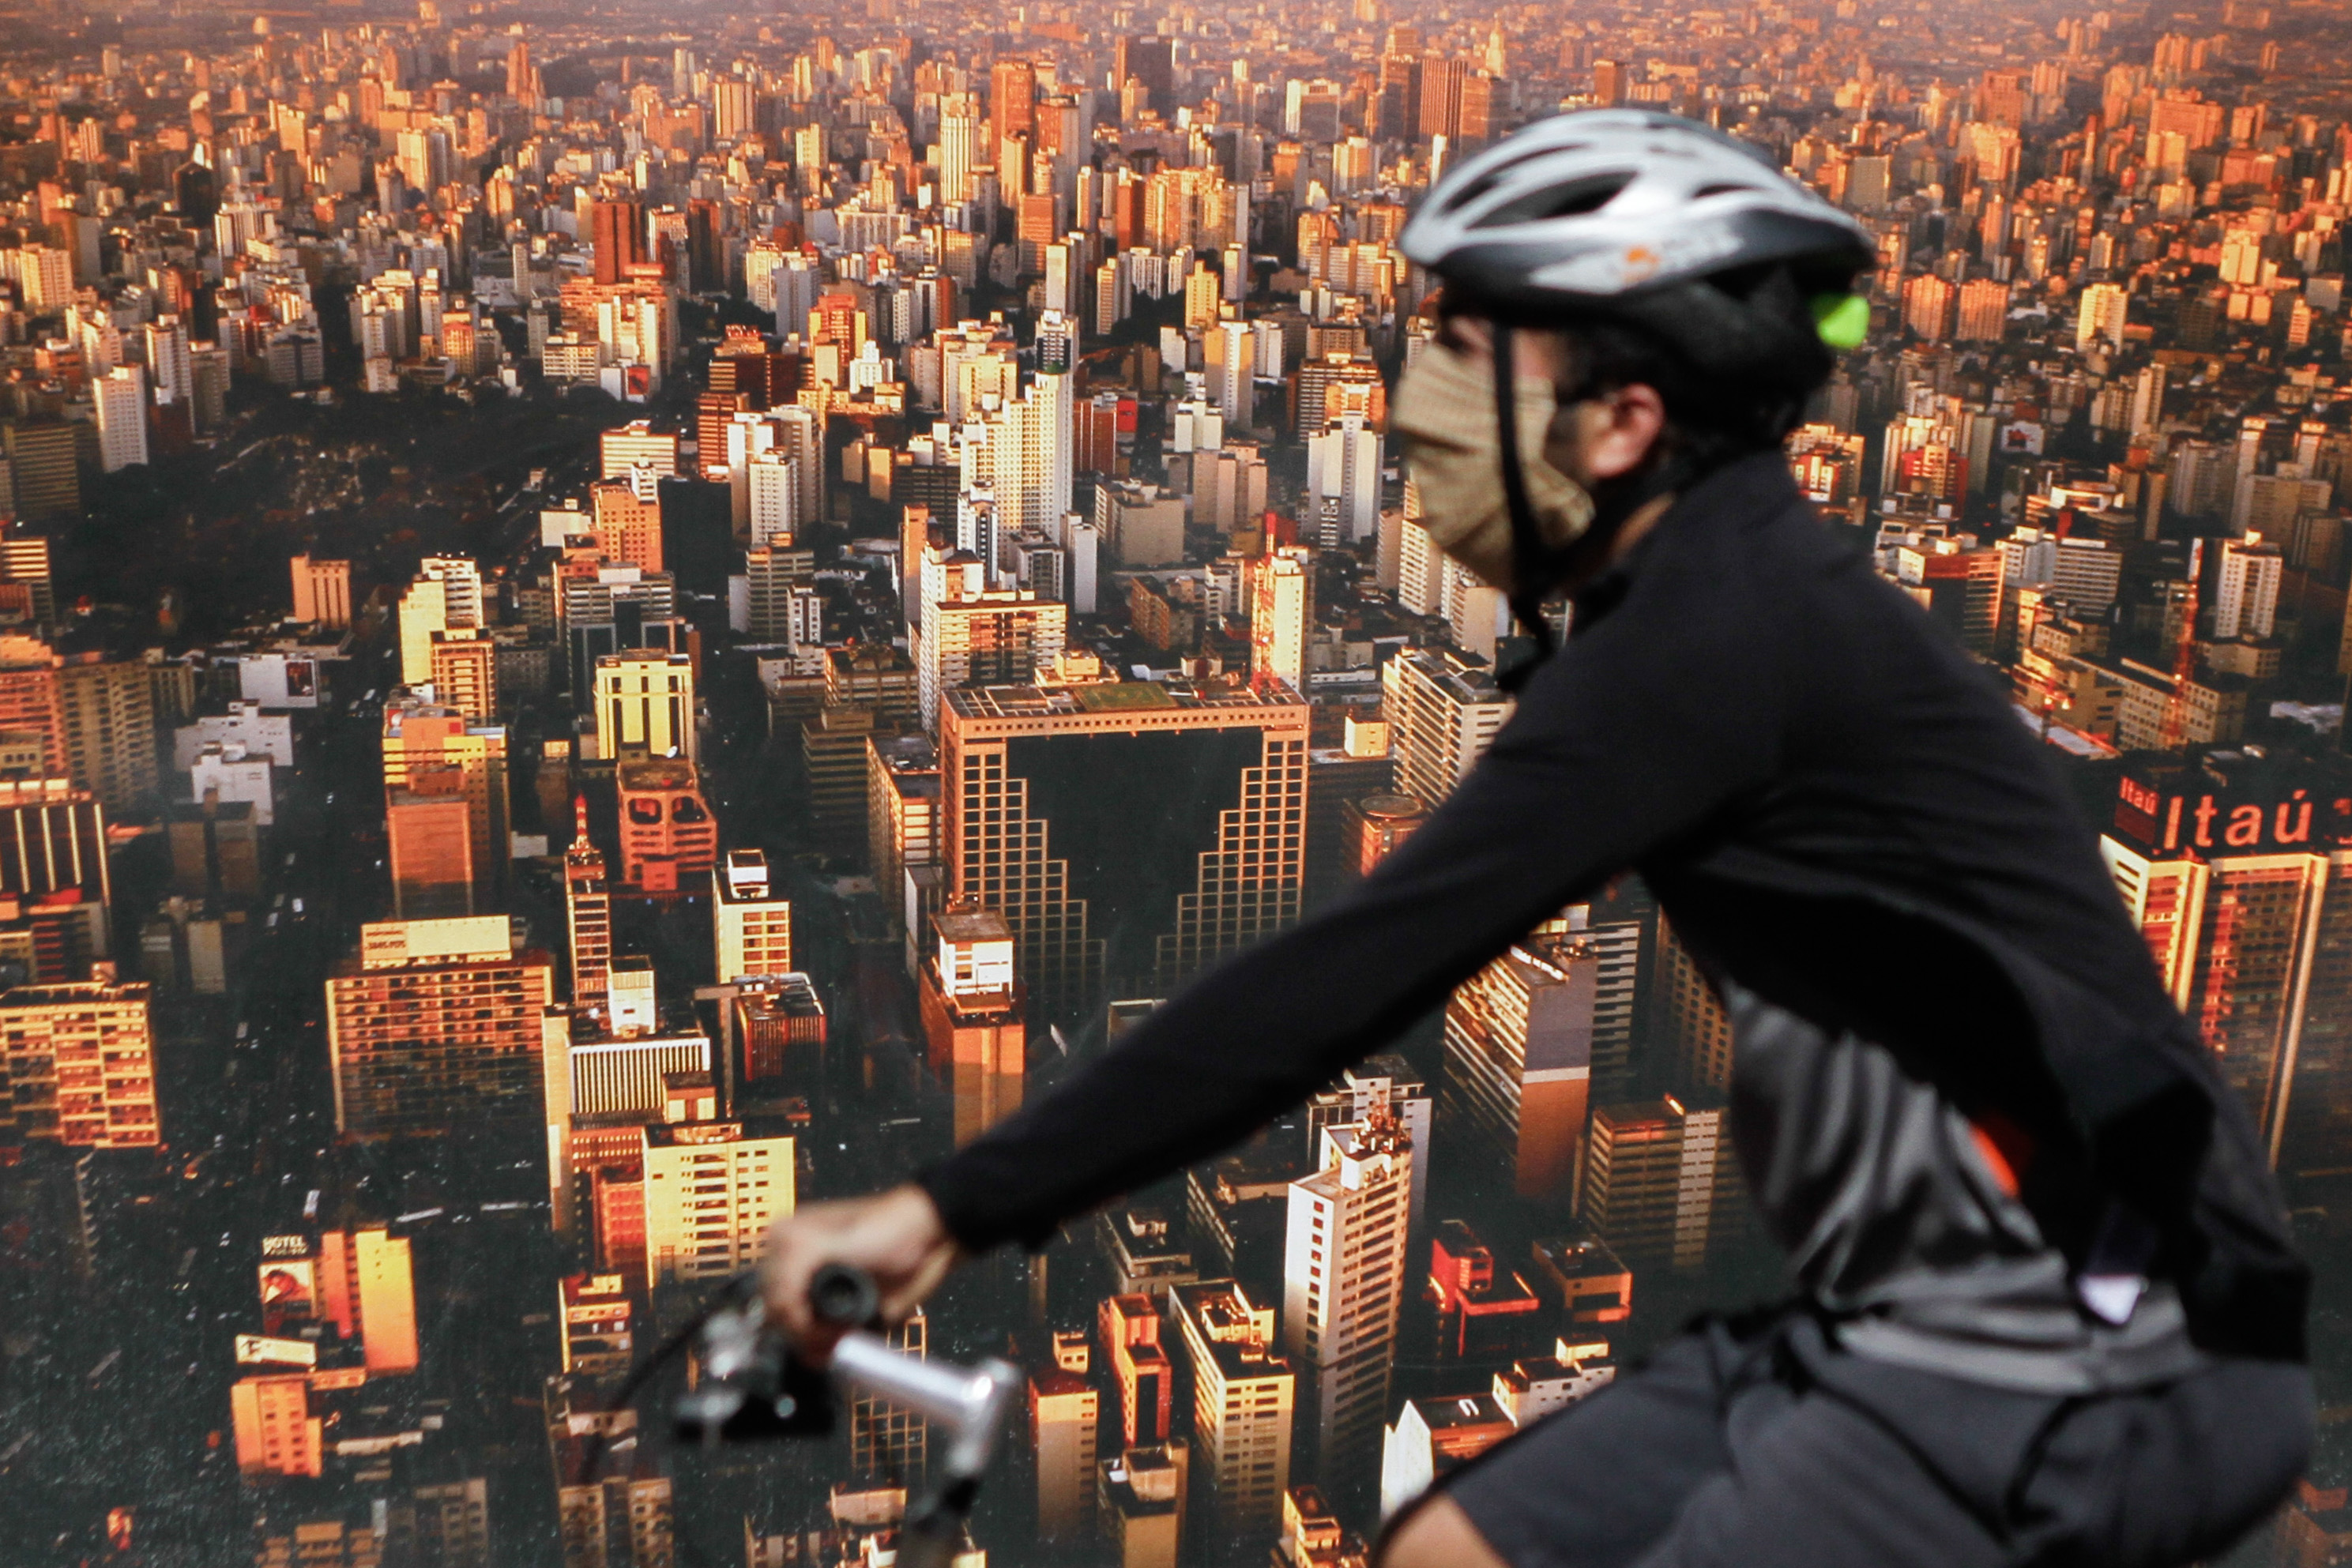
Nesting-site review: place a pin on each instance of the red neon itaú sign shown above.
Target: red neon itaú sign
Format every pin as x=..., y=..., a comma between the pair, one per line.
x=2214, y=819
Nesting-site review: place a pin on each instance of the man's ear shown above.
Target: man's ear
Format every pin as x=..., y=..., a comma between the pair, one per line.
x=1614, y=432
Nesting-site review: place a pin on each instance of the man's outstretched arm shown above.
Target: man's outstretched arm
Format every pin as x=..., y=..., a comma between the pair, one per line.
x=1602, y=764
x=1638, y=733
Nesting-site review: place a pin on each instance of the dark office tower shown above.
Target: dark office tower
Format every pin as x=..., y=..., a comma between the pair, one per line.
x=1609, y=78
x=1129, y=831
x=705, y=254
x=1152, y=61
x=195, y=190
x=1013, y=97
x=618, y=232
x=1473, y=121
x=1397, y=114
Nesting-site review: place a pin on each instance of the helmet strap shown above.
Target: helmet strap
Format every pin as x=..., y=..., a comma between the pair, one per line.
x=1530, y=564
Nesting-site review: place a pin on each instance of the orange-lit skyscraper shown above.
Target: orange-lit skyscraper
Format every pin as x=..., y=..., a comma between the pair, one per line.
x=430, y=850
x=434, y=1025
x=669, y=840
x=81, y=1061
x=971, y=1006
x=422, y=739
x=587, y=912
x=2238, y=870
x=1518, y=1060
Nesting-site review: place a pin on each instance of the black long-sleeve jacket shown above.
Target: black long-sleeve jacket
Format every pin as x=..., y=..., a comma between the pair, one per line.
x=1838, y=808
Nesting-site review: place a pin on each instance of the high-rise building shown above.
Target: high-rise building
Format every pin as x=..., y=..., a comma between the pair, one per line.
x=2245, y=604
x=382, y=1291
x=778, y=1040
x=670, y=839
x=1482, y=1314
x=30, y=703
x=322, y=591
x=120, y=396
x=971, y=1009
x=2235, y=867
x=109, y=721
x=1282, y=604
x=587, y=914
x=445, y=595
x=82, y=1063
x=1345, y=1275
x=644, y=698
x=627, y=517
x=55, y=880
x=1042, y=790
x=276, y=1434
x=1140, y=1500
x=429, y=847
x=1343, y=482
x=466, y=673
x=890, y=1443
x=592, y=1314
x=784, y=606
x=752, y=923
x=1519, y=1041
x=1442, y=713
x=985, y=636
x=637, y=445
x=712, y=1189
x=1383, y=1085
x=1136, y=1367
x=426, y=742
x=1064, y=1419
x=617, y=1521
x=902, y=815
x=617, y=234
x=435, y=1024
x=2099, y=318
x=1244, y=1394
x=1659, y=1180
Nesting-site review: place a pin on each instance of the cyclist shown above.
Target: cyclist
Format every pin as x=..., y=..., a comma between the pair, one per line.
x=2046, y=1309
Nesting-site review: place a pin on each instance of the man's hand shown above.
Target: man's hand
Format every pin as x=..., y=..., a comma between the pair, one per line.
x=896, y=1237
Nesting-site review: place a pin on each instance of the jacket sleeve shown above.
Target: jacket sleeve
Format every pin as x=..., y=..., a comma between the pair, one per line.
x=1642, y=731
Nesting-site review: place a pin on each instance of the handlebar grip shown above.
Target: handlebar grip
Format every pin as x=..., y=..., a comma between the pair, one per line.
x=844, y=1296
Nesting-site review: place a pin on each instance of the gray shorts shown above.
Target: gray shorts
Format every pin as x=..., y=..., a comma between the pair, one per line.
x=1756, y=1444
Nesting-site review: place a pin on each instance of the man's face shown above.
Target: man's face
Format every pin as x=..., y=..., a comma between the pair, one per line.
x=1591, y=441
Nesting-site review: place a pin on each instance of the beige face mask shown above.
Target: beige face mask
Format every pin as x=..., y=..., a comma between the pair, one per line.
x=1445, y=412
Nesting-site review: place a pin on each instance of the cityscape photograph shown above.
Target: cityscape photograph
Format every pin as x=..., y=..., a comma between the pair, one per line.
x=618, y=620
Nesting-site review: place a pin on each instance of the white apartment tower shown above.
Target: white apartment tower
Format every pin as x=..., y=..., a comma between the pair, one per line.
x=752, y=923
x=121, y=398
x=2246, y=605
x=1344, y=1279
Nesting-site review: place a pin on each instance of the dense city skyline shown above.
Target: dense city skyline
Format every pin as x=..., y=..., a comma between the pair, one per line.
x=612, y=622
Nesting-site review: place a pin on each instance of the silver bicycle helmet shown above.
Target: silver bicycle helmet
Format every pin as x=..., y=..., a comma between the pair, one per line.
x=1606, y=205
x=1662, y=225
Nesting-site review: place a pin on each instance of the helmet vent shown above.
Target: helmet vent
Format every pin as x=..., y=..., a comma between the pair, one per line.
x=1589, y=195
